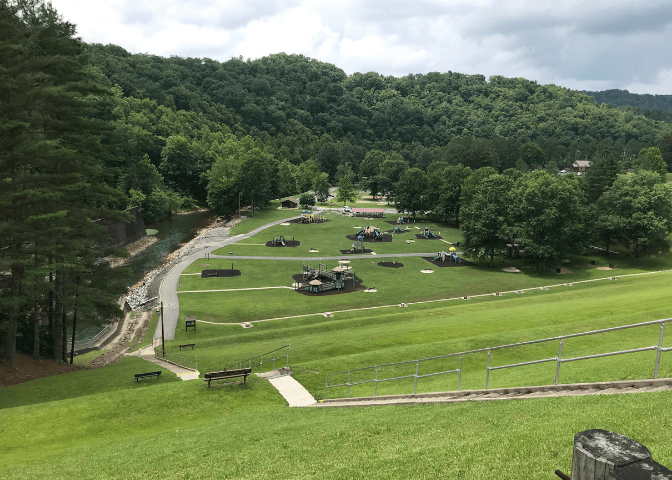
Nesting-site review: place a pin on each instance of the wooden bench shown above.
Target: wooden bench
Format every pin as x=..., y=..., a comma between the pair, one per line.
x=192, y=345
x=138, y=376
x=238, y=372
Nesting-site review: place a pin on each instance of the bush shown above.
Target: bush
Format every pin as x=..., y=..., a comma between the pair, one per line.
x=307, y=199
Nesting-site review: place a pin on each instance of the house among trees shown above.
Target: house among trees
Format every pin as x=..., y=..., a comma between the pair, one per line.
x=581, y=166
x=290, y=203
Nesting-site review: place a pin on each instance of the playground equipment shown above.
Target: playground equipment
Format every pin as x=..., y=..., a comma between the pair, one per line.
x=400, y=220
x=279, y=240
x=322, y=279
x=428, y=234
x=370, y=232
x=398, y=230
x=358, y=246
x=307, y=216
x=443, y=256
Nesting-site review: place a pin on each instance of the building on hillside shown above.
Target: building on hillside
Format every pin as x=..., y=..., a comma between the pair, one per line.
x=580, y=166
x=290, y=203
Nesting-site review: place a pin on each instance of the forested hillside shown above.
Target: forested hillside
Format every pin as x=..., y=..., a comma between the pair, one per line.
x=644, y=102
x=185, y=114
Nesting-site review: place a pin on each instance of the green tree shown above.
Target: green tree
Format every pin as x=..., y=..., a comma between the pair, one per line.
x=411, y=190
x=486, y=222
x=652, y=160
x=603, y=171
x=321, y=187
x=637, y=210
x=254, y=177
x=345, y=192
x=532, y=154
x=551, y=216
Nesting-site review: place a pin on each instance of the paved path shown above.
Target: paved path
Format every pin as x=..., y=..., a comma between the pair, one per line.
x=289, y=388
x=168, y=288
x=147, y=353
x=341, y=257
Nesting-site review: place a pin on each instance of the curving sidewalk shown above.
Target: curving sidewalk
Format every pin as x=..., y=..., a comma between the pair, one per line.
x=168, y=288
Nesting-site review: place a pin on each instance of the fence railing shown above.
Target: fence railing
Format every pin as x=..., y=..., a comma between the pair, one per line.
x=180, y=359
x=88, y=342
x=559, y=360
x=271, y=357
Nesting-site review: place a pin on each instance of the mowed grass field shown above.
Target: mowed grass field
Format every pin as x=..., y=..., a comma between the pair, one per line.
x=101, y=424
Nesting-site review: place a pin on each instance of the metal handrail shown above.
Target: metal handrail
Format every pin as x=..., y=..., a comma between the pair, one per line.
x=261, y=359
x=559, y=360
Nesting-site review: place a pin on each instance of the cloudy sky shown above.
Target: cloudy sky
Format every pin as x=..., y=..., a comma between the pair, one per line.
x=585, y=45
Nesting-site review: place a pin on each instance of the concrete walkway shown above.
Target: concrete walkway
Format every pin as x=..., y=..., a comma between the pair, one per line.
x=289, y=388
x=147, y=353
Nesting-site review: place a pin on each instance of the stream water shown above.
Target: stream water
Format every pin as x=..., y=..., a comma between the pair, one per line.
x=172, y=232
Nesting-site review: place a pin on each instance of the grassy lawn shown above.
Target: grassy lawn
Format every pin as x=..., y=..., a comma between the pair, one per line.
x=268, y=214
x=101, y=424
x=330, y=237
x=356, y=339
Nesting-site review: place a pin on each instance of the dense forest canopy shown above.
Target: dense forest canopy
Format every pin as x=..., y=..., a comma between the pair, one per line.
x=89, y=130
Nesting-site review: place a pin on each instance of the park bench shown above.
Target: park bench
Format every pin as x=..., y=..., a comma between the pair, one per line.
x=192, y=345
x=138, y=376
x=238, y=372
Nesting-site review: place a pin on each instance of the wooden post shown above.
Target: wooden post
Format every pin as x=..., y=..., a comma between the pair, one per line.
x=597, y=453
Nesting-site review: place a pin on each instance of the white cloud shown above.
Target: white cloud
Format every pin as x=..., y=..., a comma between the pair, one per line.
x=613, y=44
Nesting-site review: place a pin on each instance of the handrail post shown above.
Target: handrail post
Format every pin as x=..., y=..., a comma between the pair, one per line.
x=660, y=345
x=287, y=356
x=415, y=389
x=261, y=364
x=326, y=386
x=273, y=360
x=557, y=368
x=375, y=384
x=348, y=383
x=487, y=372
x=459, y=375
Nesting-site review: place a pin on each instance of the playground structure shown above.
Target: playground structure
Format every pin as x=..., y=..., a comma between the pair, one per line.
x=279, y=240
x=400, y=220
x=370, y=232
x=322, y=279
x=428, y=233
x=307, y=216
x=358, y=246
x=447, y=256
x=398, y=230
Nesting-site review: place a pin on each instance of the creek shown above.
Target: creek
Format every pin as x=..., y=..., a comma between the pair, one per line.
x=172, y=233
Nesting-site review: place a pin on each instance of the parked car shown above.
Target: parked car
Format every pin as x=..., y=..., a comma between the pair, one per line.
x=347, y=209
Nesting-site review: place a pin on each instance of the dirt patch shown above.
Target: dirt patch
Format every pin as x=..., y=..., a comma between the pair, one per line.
x=447, y=263
x=562, y=270
x=348, y=287
x=133, y=249
x=420, y=237
x=27, y=369
x=288, y=243
x=350, y=252
x=390, y=264
x=138, y=325
x=220, y=273
x=386, y=238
